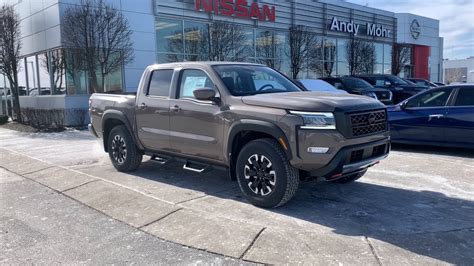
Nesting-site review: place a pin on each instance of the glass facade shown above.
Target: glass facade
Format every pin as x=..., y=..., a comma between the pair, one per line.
x=181, y=40
x=61, y=72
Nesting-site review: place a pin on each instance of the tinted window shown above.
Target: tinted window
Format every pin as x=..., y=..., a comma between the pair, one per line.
x=396, y=80
x=356, y=83
x=192, y=79
x=465, y=97
x=250, y=80
x=160, y=83
x=430, y=99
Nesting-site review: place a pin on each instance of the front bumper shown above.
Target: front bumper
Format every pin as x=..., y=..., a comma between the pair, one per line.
x=354, y=159
x=92, y=130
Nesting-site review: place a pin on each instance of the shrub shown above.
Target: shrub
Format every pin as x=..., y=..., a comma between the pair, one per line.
x=45, y=120
x=3, y=119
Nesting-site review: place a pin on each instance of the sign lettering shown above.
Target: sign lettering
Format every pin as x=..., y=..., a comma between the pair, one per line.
x=353, y=28
x=237, y=8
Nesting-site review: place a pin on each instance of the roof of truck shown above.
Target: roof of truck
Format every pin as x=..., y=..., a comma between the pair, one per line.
x=204, y=63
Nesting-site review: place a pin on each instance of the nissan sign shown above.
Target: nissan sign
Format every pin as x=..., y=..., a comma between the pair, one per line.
x=415, y=29
x=237, y=8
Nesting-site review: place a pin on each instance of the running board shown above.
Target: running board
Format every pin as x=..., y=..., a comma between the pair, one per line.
x=193, y=167
x=160, y=160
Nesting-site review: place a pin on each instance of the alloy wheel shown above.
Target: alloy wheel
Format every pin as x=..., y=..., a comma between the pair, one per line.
x=119, y=149
x=260, y=175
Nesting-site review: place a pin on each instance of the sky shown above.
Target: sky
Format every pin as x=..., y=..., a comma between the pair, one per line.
x=456, y=20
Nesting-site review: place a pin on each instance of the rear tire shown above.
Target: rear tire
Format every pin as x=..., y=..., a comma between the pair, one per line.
x=265, y=175
x=123, y=152
x=350, y=178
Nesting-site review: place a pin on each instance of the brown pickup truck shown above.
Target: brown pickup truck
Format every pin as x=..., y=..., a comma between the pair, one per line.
x=269, y=132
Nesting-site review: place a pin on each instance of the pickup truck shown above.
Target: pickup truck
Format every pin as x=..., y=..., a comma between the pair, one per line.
x=248, y=118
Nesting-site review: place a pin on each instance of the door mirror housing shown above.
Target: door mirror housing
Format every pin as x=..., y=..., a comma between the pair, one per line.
x=205, y=94
x=403, y=105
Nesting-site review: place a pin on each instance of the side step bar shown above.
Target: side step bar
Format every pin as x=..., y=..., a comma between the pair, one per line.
x=160, y=160
x=194, y=167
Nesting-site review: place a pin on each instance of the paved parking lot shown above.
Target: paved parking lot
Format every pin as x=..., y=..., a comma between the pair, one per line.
x=416, y=207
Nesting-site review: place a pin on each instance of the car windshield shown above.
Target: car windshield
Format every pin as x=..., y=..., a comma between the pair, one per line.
x=242, y=80
x=397, y=81
x=356, y=83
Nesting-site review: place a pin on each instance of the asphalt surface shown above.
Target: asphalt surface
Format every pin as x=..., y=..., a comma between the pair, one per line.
x=416, y=207
x=41, y=226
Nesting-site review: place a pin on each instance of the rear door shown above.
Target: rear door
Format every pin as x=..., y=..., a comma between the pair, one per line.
x=196, y=129
x=424, y=118
x=152, y=110
x=461, y=118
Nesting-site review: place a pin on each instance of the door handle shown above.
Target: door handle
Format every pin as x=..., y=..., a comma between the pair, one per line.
x=436, y=116
x=143, y=106
x=175, y=108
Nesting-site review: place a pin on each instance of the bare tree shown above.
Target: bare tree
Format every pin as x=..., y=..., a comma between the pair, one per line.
x=10, y=45
x=265, y=48
x=302, y=44
x=55, y=64
x=401, y=56
x=102, y=36
x=360, y=56
x=227, y=41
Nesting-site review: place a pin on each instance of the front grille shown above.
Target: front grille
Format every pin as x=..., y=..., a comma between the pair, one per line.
x=357, y=156
x=379, y=150
x=368, y=123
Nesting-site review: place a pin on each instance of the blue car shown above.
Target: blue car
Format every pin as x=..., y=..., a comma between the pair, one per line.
x=442, y=116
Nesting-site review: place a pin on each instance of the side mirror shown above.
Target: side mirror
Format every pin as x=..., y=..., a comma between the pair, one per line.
x=403, y=105
x=205, y=94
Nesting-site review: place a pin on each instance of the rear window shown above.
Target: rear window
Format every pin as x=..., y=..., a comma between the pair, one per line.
x=465, y=97
x=160, y=83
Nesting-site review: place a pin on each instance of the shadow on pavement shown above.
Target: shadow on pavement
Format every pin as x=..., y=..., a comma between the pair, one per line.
x=424, y=222
x=455, y=152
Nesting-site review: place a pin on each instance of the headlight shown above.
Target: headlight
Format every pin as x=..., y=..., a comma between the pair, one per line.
x=370, y=94
x=316, y=120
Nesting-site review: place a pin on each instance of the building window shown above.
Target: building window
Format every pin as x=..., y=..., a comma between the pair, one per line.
x=196, y=41
x=76, y=80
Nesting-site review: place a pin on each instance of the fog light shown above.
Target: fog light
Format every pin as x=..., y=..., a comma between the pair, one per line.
x=319, y=150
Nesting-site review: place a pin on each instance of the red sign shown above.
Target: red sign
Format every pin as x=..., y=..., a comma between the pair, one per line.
x=237, y=8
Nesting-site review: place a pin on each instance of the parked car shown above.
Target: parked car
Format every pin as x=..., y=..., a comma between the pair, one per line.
x=423, y=82
x=319, y=85
x=361, y=87
x=269, y=136
x=440, y=116
x=400, y=89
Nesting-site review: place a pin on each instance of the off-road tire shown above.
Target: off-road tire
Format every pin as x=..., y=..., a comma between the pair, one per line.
x=350, y=178
x=133, y=157
x=286, y=177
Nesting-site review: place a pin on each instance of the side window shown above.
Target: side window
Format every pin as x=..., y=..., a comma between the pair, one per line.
x=192, y=79
x=380, y=82
x=160, y=83
x=435, y=98
x=338, y=85
x=465, y=97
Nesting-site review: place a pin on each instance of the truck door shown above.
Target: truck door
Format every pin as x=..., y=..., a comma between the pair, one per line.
x=152, y=110
x=196, y=128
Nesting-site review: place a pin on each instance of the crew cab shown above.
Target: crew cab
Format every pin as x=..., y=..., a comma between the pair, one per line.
x=247, y=118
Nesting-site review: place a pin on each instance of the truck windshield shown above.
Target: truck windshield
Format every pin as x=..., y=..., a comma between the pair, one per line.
x=355, y=83
x=242, y=80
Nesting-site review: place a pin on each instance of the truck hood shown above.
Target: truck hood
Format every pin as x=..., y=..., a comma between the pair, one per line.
x=310, y=101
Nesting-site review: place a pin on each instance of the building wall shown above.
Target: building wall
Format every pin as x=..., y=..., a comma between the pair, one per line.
x=429, y=36
x=463, y=70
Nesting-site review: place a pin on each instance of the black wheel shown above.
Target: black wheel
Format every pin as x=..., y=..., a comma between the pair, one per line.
x=123, y=152
x=350, y=178
x=265, y=175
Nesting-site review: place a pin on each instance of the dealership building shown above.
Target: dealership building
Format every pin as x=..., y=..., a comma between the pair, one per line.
x=232, y=30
